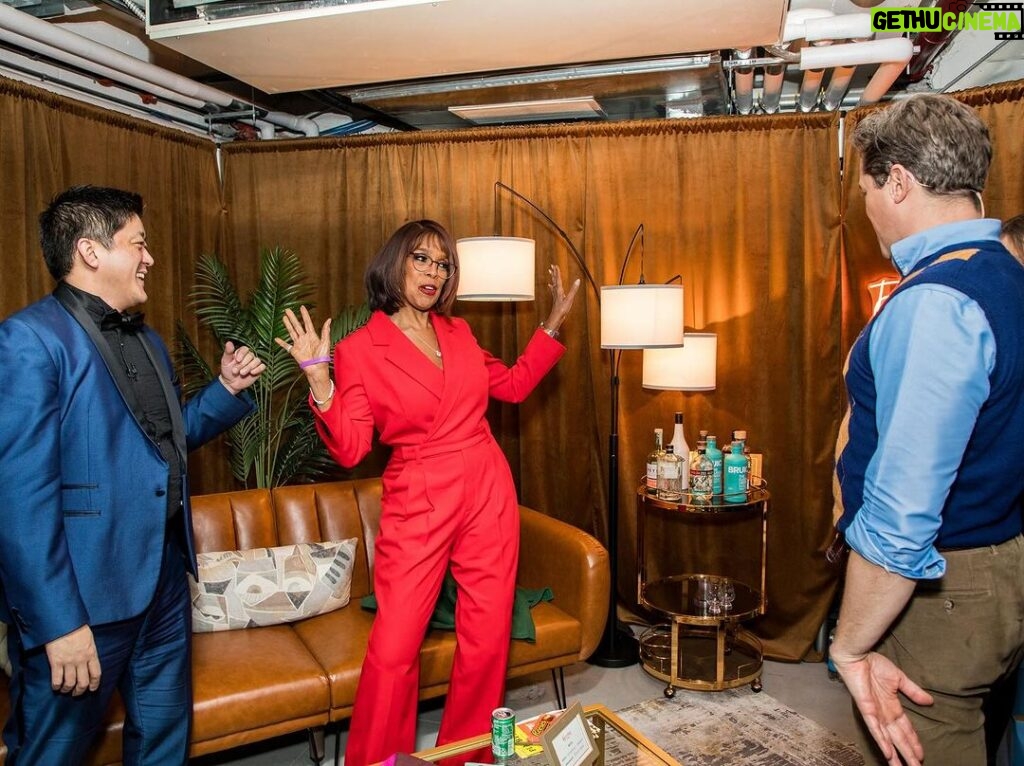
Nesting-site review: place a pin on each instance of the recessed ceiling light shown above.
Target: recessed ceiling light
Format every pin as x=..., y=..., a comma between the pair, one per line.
x=581, y=108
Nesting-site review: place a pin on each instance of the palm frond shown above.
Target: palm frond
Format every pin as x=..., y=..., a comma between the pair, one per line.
x=282, y=286
x=193, y=369
x=244, y=440
x=216, y=302
x=278, y=443
x=349, y=319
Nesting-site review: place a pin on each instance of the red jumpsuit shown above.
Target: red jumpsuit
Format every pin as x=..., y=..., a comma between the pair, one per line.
x=448, y=501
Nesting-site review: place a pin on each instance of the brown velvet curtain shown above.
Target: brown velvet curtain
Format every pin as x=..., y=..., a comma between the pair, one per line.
x=48, y=143
x=745, y=210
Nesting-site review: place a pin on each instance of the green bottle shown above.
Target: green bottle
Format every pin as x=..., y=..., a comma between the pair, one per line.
x=734, y=479
x=715, y=456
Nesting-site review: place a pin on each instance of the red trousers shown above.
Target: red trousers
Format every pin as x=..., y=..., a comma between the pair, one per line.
x=453, y=509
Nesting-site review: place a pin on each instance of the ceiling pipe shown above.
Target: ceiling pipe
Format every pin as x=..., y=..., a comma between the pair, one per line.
x=930, y=44
x=891, y=49
x=302, y=125
x=838, y=84
x=795, y=26
x=743, y=83
x=51, y=34
x=41, y=31
x=771, y=93
x=845, y=26
x=133, y=8
x=810, y=89
x=50, y=52
x=83, y=88
x=881, y=81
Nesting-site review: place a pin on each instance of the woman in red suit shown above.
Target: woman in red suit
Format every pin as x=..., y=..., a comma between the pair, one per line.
x=418, y=376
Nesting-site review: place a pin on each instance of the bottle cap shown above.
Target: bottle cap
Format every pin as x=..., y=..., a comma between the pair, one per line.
x=739, y=435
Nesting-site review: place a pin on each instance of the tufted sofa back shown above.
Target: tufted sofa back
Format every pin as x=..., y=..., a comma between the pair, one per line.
x=305, y=513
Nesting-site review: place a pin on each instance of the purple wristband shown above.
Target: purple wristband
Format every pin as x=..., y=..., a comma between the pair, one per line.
x=314, y=360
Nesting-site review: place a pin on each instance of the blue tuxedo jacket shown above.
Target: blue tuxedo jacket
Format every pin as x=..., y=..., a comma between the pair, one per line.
x=83, y=489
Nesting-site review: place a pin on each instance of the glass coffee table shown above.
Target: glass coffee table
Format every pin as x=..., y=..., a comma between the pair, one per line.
x=618, y=744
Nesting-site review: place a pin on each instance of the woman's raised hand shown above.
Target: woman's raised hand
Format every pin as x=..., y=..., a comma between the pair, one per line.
x=561, y=300
x=305, y=343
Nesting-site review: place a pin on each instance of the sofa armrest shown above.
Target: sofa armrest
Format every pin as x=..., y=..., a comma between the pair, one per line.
x=557, y=555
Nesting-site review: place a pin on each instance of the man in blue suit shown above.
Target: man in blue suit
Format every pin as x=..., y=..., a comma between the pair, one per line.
x=95, y=524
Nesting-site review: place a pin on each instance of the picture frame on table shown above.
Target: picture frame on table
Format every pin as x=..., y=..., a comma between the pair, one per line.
x=568, y=741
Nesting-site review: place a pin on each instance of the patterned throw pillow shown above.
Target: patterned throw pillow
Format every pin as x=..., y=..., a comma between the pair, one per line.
x=270, y=586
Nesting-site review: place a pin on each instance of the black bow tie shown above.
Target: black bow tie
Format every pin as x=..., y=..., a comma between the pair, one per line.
x=112, y=320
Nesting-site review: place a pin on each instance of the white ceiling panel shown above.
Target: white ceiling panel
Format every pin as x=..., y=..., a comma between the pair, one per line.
x=385, y=41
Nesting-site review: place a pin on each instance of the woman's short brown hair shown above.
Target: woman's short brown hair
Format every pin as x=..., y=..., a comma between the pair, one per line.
x=385, y=274
x=1012, y=234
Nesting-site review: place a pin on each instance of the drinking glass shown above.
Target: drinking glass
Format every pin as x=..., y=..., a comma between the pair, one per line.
x=728, y=593
x=708, y=597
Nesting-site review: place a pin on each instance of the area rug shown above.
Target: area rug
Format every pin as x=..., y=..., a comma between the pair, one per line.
x=737, y=726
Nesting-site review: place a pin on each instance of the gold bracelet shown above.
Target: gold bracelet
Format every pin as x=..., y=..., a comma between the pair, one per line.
x=328, y=398
x=551, y=333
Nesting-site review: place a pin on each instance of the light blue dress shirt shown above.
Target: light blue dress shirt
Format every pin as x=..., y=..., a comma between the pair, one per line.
x=932, y=351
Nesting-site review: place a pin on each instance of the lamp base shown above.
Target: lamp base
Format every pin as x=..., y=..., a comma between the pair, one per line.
x=618, y=648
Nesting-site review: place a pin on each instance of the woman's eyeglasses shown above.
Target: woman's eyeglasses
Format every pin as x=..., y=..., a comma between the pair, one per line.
x=422, y=263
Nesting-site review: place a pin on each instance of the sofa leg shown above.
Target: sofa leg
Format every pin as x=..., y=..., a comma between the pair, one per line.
x=558, y=676
x=316, y=744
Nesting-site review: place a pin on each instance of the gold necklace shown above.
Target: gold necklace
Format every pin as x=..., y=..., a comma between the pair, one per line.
x=416, y=336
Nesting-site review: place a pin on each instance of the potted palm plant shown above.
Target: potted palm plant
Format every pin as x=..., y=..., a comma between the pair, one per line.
x=278, y=443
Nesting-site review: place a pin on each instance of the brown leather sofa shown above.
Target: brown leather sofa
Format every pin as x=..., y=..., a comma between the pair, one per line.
x=257, y=683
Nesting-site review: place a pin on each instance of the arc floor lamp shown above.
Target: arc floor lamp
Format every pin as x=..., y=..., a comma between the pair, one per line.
x=633, y=316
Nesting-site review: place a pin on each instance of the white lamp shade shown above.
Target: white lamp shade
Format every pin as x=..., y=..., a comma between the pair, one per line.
x=688, y=368
x=495, y=269
x=641, y=316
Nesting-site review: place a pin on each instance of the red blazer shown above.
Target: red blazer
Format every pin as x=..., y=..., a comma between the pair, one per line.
x=383, y=380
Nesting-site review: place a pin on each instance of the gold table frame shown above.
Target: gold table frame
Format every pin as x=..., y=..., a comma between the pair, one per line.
x=648, y=754
x=706, y=652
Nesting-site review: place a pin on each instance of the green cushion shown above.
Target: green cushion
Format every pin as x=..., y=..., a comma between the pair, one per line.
x=443, y=617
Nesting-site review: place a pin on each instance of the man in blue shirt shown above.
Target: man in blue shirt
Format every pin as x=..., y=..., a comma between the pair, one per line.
x=928, y=460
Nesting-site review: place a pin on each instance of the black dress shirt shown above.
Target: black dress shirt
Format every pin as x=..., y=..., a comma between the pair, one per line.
x=144, y=392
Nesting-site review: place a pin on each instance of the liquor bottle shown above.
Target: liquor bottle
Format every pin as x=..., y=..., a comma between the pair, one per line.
x=715, y=456
x=741, y=436
x=682, y=449
x=670, y=476
x=652, y=462
x=734, y=478
x=701, y=474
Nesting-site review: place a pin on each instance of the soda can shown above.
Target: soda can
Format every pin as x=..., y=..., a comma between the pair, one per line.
x=503, y=736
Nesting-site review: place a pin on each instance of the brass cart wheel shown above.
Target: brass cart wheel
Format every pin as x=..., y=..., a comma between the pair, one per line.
x=755, y=685
x=670, y=691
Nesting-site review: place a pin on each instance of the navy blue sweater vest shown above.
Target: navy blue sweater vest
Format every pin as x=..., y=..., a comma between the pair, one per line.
x=985, y=503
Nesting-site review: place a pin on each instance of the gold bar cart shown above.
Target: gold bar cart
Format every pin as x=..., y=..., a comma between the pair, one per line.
x=704, y=646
